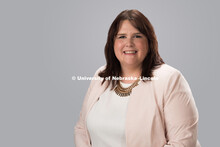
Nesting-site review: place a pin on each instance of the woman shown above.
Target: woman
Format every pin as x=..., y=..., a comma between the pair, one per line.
x=126, y=109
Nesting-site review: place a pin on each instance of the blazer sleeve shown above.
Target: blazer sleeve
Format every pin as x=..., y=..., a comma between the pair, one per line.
x=80, y=135
x=80, y=132
x=180, y=113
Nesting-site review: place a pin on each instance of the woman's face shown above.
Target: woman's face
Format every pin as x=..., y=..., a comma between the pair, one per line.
x=130, y=46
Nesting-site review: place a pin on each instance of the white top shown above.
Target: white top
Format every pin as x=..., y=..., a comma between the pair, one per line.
x=106, y=120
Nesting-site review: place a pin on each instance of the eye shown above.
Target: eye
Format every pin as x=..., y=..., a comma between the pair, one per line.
x=137, y=36
x=121, y=37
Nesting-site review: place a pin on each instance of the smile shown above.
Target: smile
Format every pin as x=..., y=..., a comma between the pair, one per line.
x=130, y=52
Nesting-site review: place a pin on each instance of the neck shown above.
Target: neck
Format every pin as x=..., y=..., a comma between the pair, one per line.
x=131, y=72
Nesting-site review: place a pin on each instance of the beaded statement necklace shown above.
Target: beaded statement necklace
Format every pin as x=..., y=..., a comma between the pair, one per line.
x=123, y=92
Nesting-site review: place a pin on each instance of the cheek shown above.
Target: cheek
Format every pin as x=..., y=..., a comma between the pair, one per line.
x=118, y=45
x=142, y=45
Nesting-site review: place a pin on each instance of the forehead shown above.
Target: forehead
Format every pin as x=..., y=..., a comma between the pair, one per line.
x=126, y=26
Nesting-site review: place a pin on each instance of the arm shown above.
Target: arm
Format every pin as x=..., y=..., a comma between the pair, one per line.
x=80, y=134
x=180, y=112
x=81, y=137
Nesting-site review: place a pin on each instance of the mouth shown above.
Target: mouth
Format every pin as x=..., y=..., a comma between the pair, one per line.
x=130, y=52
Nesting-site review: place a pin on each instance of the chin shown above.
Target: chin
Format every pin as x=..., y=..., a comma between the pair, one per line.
x=131, y=64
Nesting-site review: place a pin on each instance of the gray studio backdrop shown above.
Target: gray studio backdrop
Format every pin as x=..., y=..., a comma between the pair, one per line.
x=46, y=42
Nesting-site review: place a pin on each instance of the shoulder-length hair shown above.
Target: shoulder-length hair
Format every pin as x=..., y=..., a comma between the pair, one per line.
x=152, y=59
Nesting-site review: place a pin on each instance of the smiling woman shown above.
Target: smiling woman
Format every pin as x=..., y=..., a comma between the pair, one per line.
x=130, y=48
x=123, y=112
x=131, y=31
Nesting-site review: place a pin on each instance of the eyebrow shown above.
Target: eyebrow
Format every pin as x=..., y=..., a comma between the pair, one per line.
x=126, y=34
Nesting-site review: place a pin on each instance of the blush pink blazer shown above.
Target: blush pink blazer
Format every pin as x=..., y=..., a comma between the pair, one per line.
x=160, y=113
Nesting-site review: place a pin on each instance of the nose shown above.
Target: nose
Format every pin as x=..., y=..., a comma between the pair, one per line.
x=129, y=42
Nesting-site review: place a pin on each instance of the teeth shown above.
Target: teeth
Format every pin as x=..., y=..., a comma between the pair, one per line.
x=129, y=52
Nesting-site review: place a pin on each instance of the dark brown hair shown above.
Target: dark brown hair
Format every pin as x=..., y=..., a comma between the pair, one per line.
x=152, y=59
